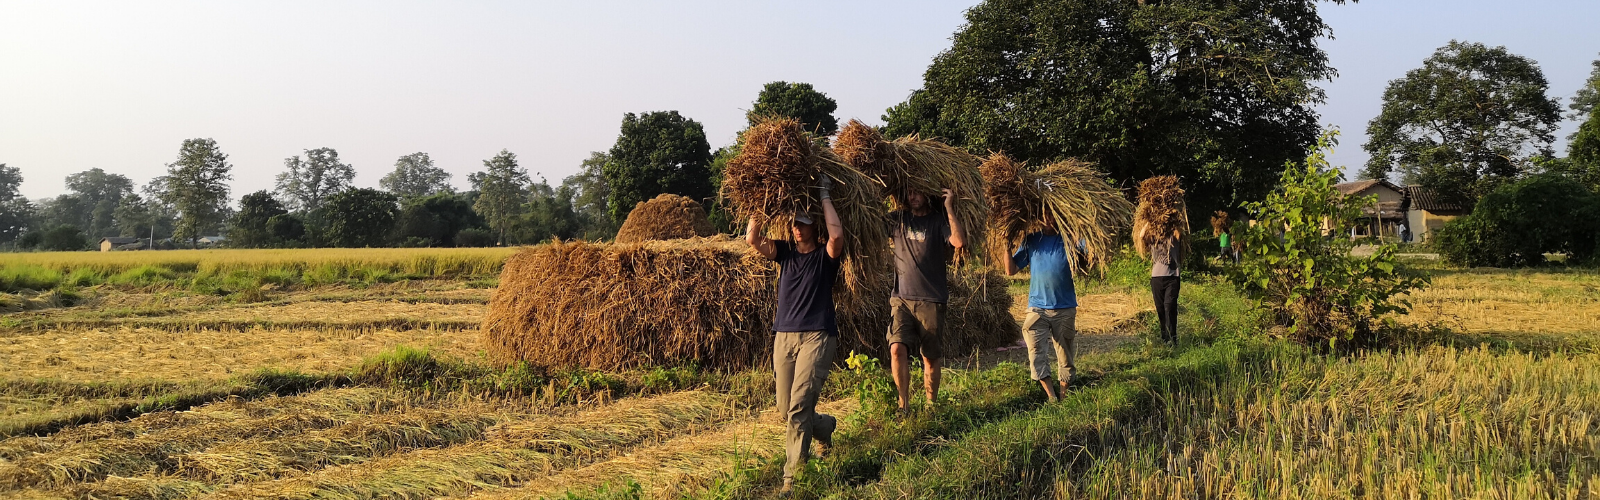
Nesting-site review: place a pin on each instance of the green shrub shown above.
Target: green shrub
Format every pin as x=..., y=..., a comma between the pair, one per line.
x=1308, y=279
x=144, y=276
x=14, y=278
x=1519, y=223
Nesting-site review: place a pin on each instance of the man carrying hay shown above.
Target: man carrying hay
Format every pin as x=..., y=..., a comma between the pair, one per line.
x=807, y=336
x=1159, y=228
x=1052, y=306
x=924, y=242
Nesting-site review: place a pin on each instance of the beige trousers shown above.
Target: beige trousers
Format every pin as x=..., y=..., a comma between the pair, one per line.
x=1045, y=327
x=801, y=361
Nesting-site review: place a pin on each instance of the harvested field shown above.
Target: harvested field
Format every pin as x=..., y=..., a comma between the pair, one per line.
x=1515, y=304
x=107, y=354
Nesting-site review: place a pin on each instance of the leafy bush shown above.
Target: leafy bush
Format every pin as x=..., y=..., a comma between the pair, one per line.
x=1307, y=277
x=1519, y=223
x=474, y=237
x=64, y=238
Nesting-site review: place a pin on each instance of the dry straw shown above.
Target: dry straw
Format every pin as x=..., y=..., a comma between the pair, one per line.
x=707, y=302
x=1161, y=213
x=911, y=164
x=775, y=176
x=1086, y=208
x=666, y=217
x=1219, y=223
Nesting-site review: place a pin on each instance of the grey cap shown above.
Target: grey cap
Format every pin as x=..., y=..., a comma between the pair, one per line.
x=804, y=219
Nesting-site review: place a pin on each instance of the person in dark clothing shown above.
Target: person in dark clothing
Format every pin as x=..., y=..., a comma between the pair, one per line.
x=806, y=333
x=1166, y=254
x=924, y=241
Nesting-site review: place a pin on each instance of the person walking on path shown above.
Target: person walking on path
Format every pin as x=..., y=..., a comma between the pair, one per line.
x=806, y=332
x=924, y=241
x=1165, y=255
x=1052, y=307
x=1224, y=244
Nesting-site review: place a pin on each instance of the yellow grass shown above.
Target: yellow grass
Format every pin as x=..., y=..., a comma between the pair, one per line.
x=1512, y=303
x=420, y=261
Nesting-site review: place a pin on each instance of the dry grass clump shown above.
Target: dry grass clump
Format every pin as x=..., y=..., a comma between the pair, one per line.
x=665, y=217
x=1220, y=222
x=1084, y=207
x=706, y=302
x=775, y=176
x=912, y=164
x=1161, y=213
x=864, y=148
x=1432, y=423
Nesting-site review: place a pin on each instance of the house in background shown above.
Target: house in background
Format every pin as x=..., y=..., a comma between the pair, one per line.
x=1426, y=212
x=1382, y=218
x=115, y=243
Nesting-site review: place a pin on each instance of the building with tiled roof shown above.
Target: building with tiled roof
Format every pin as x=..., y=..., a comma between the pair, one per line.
x=1426, y=211
x=1383, y=217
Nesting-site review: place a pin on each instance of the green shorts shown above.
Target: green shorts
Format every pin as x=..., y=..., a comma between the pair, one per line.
x=918, y=324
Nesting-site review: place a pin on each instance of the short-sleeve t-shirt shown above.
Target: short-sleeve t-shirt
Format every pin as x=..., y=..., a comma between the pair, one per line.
x=1051, y=286
x=805, y=290
x=1165, y=256
x=921, y=252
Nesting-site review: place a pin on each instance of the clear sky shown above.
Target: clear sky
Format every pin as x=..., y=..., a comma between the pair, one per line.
x=120, y=85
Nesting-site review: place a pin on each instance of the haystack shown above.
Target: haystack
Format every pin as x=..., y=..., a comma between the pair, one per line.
x=1086, y=208
x=1161, y=213
x=910, y=164
x=705, y=301
x=775, y=177
x=665, y=217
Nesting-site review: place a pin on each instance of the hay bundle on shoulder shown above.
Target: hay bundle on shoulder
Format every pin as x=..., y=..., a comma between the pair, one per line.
x=1085, y=208
x=912, y=164
x=665, y=217
x=1161, y=214
x=775, y=177
x=1220, y=222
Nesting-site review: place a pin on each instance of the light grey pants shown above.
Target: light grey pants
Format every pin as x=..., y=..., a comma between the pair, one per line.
x=1044, y=328
x=801, y=361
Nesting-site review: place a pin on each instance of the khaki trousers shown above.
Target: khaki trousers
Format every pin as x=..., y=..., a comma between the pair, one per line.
x=801, y=361
x=1044, y=328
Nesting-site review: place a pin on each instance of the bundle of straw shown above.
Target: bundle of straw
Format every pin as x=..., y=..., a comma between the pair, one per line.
x=774, y=178
x=1085, y=208
x=665, y=217
x=1219, y=223
x=911, y=164
x=1161, y=213
x=864, y=148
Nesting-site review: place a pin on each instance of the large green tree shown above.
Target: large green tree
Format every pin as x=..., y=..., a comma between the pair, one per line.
x=1472, y=118
x=800, y=101
x=1219, y=93
x=414, y=176
x=196, y=186
x=251, y=226
x=590, y=195
x=309, y=181
x=356, y=218
x=657, y=152
x=502, y=189
x=435, y=220
x=1583, y=147
x=15, y=210
x=99, y=193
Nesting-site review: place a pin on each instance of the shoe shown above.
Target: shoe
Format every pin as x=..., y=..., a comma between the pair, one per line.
x=825, y=438
x=788, y=488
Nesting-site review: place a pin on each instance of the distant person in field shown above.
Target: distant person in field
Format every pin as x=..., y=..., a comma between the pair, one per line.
x=806, y=335
x=924, y=241
x=1052, y=306
x=1166, y=254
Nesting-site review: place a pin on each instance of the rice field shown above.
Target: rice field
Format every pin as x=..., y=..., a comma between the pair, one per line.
x=380, y=389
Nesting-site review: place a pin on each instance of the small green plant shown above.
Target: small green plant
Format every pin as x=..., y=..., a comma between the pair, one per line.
x=873, y=389
x=1298, y=265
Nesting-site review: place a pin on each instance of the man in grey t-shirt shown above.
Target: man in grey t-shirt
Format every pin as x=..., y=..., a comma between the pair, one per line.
x=924, y=241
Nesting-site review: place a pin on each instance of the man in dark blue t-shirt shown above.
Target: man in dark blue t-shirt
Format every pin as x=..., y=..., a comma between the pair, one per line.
x=806, y=335
x=1052, y=306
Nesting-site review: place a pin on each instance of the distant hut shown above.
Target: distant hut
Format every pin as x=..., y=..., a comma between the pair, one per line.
x=118, y=243
x=1382, y=218
x=1426, y=211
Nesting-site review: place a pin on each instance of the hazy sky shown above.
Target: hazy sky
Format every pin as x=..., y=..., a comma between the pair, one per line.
x=120, y=85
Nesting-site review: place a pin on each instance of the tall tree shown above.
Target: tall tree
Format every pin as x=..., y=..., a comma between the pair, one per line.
x=99, y=193
x=197, y=188
x=137, y=217
x=252, y=225
x=435, y=220
x=502, y=192
x=590, y=195
x=308, y=182
x=1583, y=147
x=1589, y=96
x=1219, y=93
x=657, y=152
x=357, y=218
x=414, y=176
x=800, y=101
x=1470, y=119
x=15, y=210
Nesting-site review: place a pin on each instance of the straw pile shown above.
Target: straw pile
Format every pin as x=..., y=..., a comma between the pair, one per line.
x=666, y=217
x=774, y=177
x=703, y=301
x=912, y=164
x=1077, y=197
x=1219, y=223
x=1161, y=213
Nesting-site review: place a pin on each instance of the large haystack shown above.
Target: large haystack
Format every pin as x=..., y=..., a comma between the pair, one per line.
x=775, y=177
x=1161, y=213
x=705, y=302
x=1086, y=209
x=665, y=217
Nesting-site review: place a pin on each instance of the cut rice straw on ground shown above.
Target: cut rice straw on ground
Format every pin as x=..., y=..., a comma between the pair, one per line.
x=1161, y=213
x=775, y=177
x=1087, y=210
